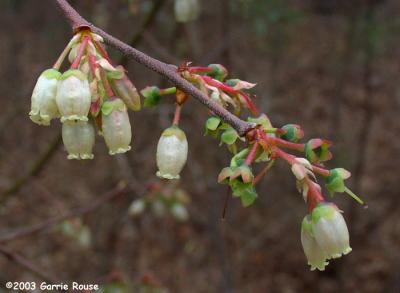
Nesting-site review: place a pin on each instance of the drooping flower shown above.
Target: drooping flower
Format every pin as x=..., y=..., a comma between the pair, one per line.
x=73, y=96
x=316, y=257
x=186, y=10
x=172, y=150
x=78, y=138
x=116, y=126
x=43, y=101
x=330, y=230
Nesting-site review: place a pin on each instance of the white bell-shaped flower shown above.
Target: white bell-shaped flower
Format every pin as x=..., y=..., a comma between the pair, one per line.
x=172, y=151
x=43, y=101
x=316, y=257
x=78, y=138
x=73, y=96
x=330, y=230
x=117, y=131
x=186, y=10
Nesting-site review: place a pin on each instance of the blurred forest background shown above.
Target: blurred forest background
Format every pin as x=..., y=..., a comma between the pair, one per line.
x=328, y=65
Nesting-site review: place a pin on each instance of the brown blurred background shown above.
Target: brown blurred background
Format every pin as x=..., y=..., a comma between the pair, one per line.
x=330, y=66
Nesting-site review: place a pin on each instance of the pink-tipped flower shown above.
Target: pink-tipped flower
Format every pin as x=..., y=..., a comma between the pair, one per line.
x=43, y=101
x=73, y=96
x=78, y=138
x=330, y=230
x=316, y=257
x=172, y=150
x=116, y=126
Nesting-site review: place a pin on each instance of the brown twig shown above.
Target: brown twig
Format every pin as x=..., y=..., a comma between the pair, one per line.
x=26, y=264
x=121, y=189
x=168, y=71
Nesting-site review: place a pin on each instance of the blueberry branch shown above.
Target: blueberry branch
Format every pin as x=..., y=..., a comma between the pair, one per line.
x=166, y=70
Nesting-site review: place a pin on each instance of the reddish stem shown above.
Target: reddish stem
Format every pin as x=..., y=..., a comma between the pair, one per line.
x=262, y=173
x=314, y=196
x=102, y=52
x=284, y=155
x=177, y=115
x=228, y=89
x=251, y=156
x=106, y=84
x=286, y=144
x=80, y=53
x=321, y=171
x=92, y=64
x=199, y=69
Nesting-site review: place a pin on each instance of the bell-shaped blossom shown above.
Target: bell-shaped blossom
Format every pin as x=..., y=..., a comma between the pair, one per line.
x=117, y=131
x=78, y=138
x=172, y=150
x=43, y=101
x=316, y=257
x=330, y=230
x=186, y=10
x=73, y=96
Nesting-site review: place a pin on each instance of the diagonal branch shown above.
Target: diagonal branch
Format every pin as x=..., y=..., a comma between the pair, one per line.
x=168, y=71
x=119, y=190
x=28, y=265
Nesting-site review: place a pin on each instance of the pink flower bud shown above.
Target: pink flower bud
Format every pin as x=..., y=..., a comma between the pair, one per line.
x=172, y=150
x=78, y=138
x=73, y=96
x=43, y=101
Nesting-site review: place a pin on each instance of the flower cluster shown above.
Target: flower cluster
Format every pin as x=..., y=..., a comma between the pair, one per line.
x=324, y=232
x=162, y=200
x=92, y=92
x=95, y=93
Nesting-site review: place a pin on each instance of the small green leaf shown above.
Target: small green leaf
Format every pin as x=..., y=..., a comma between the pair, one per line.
x=245, y=191
x=212, y=123
x=229, y=136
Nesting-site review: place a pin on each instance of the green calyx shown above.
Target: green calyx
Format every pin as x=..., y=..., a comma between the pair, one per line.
x=323, y=210
x=174, y=130
x=306, y=225
x=262, y=120
x=112, y=105
x=151, y=96
x=73, y=72
x=292, y=133
x=246, y=192
x=218, y=72
x=51, y=73
x=335, y=182
x=317, y=150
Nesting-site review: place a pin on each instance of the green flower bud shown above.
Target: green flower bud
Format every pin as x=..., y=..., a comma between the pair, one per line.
x=151, y=96
x=172, y=150
x=293, y=133
x=43, y=101
x=317, y=150
x=78, y=138
x=73, y=96
x=219, y=71
x=116, y=127
x=335, y=180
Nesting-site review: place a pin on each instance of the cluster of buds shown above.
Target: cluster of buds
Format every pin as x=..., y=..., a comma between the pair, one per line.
x=162, y=200
x=324, y=232
x=92, y=92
